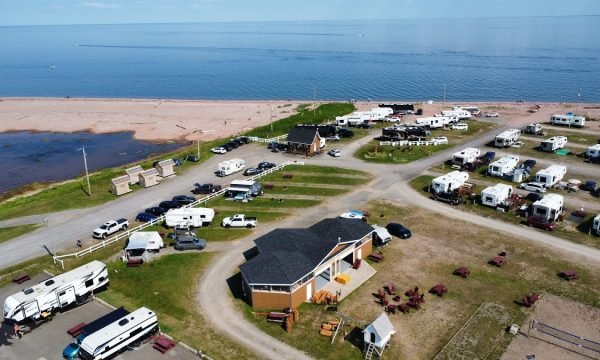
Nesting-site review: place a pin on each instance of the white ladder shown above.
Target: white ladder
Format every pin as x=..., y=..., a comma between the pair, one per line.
x=369, y=352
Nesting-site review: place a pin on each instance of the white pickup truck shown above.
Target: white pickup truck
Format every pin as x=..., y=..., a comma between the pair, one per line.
x=110, y=227
x=239, y=220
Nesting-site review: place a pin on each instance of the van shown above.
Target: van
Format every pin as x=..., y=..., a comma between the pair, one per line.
x=460, y=126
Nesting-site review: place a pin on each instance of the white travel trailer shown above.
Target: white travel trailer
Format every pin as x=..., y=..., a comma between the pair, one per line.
x=449, y=182
x=460, y=114
x=551, y=175
x=254, y=187
x=474, y=110
x=549, y=207
x=596, y=225
x=433, y=122
x=141, y=241
x=382, y=112
x=568, y=120
x=466, y=156
x=503, y=166
x=554, y=143
x=507, y=138
x=496, y=195
x=74, y=287
x=593, y=151
x=349, y=120
x=112, y=339
x=189, y=217
x=231, y=166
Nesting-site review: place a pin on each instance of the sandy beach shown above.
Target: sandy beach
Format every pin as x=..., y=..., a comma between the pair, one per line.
x=161, y=120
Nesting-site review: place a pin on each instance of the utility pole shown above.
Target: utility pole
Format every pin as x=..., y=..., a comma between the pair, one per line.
x=271, y=117
x=444, y=94
x=87, y=175
x=578, y=99
x=314, y=100
x=198, y=143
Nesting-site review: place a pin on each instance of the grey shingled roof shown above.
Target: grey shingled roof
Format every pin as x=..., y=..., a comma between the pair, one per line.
x=302, y=136
x=287, y=255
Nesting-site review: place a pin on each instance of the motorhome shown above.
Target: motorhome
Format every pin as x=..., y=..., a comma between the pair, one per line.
x=449, y=182
x=554, y=143
x=252, y=188
x=231, y=166
x=551, y=175
x=474, y=110
x=535, y=129
x=496, y=195
x=593, y=151
x=460, y=114
x=507, y=138
x=142, y=241
x=74, y=287
x=596, y=225
x=466, y=156
x=568, y=120
x=113, y=338
x=503, y=166
x=189, y=217
x=433, y=122
x=549, y=207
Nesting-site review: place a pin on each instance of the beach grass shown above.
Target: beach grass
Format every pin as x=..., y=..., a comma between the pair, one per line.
x=12, y=232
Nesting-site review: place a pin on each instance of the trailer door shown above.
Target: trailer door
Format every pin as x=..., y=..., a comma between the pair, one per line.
x=66, y=297
x=31, y=309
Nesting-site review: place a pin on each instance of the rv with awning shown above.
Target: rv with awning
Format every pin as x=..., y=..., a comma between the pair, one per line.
x=449, y=182
x=549, y=207
x=503, y=166
x=466, y=156
x=507, y=138
x=551, y=175
x=554, y=143
x=496, y=195
x=568, y=120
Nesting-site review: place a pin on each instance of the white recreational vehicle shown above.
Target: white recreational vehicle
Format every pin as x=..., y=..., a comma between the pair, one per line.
x=554, y=143
x=230, y=166
x=549, y=207
x=110, y=340
x=496, y=195
x=507, y=138
x=349, y=120
x=189, y=217
x=568, y=120
x=141, y=241
x=466, y=156
x=596, y=225
x=382, y=112
x=592, y=151
x=503, y=166
x=459, y=113
x=551, y=175
x=74, y=287
x=449, y=182
x=253, y=187
x=474, y=110
x=433, y=122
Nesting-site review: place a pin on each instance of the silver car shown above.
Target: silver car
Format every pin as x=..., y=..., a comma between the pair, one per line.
x=189, y=243
x=533, y=186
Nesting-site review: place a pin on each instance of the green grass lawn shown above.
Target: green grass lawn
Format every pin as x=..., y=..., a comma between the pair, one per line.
x=281, y=189
x=373, y=152
x=16, y=231
x=264, y=203
x=530, y=149
x=574, y=137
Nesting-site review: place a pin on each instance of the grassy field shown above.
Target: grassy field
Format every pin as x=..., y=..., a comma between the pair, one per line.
x=574, y=137
x=8, y=233
x=530, y=149
x=428, y=259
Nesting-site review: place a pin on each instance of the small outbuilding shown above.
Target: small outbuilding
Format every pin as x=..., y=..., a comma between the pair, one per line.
x=148, y=178
x=306, y=141
x=133, y=173
x=377, y=335
x=120, y=185
x=165, y=168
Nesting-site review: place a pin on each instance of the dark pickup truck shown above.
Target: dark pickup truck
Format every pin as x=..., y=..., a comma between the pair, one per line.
x=449, y=198
x=206, y=188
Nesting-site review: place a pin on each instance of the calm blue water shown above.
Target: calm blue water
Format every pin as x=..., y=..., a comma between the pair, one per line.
x=43, y=157
x=546, y=58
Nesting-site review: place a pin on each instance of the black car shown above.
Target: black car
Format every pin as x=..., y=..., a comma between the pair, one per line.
x=398, y=230
x=252, y=171
x=244, y=139
x=345, y=133
x=227, y=146
x=176, y=161
x=168, y=205
x=265, y=165
x=156, y=211
x=189, y=243
x=449, y=198
x=206, y=188
x=183, y=199
x=364, y=126
x=192, y=158
x=234, y=144
x=533, y=196
x=529, y=164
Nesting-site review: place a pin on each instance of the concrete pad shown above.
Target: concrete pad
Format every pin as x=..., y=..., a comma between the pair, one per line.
x=357, y=278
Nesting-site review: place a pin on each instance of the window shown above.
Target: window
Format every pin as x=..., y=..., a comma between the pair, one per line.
x=101, y=279
x=489, y=198
x=49, y=282
x=261, y=287
x=89, y=283
x=123, y=322
x=135, y=332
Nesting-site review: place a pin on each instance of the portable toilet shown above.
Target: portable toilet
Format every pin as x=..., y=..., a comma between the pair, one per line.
x=148, y=178
x=120, y=185
x=165, y=168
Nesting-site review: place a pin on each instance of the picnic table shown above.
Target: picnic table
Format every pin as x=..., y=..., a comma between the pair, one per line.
x=163, y=344
x=21, y=278
x=569, y=275
x=529, y=300
x=462, y=272
x=390, y=288
x=134, y=262
x=498, y=261
x=376, y=256
x=76, y=330
x=439, y=290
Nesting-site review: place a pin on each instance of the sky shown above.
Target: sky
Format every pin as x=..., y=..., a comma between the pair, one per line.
x=58, y=12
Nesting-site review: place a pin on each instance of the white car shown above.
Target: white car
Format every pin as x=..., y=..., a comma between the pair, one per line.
x=333, y=138
x=219, y=150
x=492, y=114
x=533, y=186
x=335, y=153
x=460, y=126
x=394, y=119
x=440, y=140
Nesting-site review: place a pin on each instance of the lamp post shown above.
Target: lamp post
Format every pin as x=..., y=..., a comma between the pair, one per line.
x=271, y=117
x=198, y=142
x=444, y=94
x=87, y=175
x=578, y=99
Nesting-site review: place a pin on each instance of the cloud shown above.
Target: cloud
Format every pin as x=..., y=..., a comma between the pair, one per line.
x=100, y=5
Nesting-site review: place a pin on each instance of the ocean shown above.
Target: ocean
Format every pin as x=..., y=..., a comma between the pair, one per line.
x=500, y=59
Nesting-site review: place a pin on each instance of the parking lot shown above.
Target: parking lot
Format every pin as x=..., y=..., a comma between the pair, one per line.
x=49, y=340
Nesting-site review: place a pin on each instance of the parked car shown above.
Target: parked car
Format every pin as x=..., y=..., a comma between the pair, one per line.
x=398, y=230
x=156, y=211
x=540, y=223
x=252, y=171
x=534, y=196
x=239, y=220
x=589, y=185
x=145, y=217
x=364, y=126
x=460, y=126
x=176, y=161
x=266, y=165
x=528, y=164
x=335, y=152
x=192, y=158
x=488, y=156
x=206, y=188
x=533, y=186
x=492, y=114
x=381, y=236
x=523, y=210
x=227, y=146
x=110, y=227
x=189, y=243
x=243, y=139
x=168, y=205
x=219, y=150
x=449, y=198
x=345, y=133
x=333, y=138
x=440, y=140
x=183, y=199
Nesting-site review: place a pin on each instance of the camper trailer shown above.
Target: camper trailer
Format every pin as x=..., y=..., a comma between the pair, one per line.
x=568, y=120
x=549, y=207
x=74, y=287
x=115, y=337
x=243, y=188
x=554, y=143
x=593, y=151
x=141, y=241
x=551, y=175
x=496, y=195
x=507, y=138
x=466, y=156
x=231, y=166
x=189, y=217
x=460, y=114
x=474, y=110
x=382, y=112
x=449, y=182
x=596, y=225
x=503, y=166
x=433, y=122
x=535, y=129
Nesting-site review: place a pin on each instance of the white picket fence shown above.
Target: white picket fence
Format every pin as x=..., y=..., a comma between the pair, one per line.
x=406, y=143
x=160, y=219
x=267, y=140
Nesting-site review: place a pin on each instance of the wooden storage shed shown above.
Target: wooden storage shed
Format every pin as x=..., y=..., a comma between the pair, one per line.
x=120, y=185
x=165, y=168
x=133, y=173
x=148, y=178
